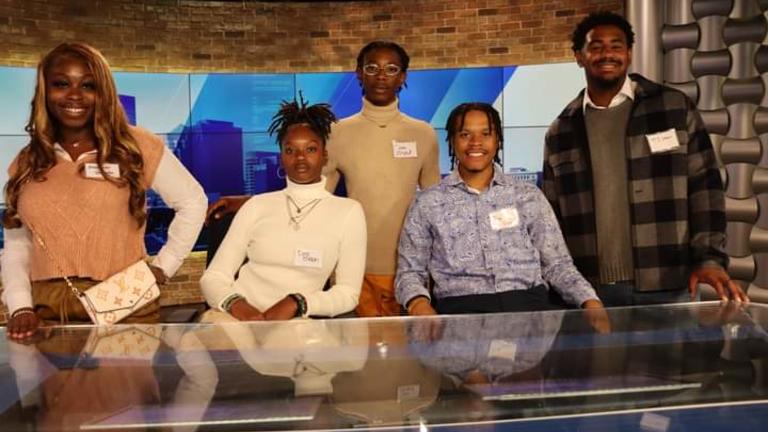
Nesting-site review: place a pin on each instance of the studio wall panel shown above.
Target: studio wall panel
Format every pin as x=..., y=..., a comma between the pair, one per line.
x=727, y=65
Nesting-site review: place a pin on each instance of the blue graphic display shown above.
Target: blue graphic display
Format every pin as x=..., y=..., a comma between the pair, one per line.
x=129, y=105
x=17, y=86
x=161, y=100
x=247, y=101
x=339, y=89
x=216, y=124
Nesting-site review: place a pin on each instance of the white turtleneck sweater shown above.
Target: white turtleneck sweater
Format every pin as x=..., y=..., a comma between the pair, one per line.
x=362, y=149
x=282, y=260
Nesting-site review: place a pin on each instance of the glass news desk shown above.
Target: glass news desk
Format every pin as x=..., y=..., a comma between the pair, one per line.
x=697, y=367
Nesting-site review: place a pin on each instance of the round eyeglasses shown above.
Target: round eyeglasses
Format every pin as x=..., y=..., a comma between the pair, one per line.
x=389, y=70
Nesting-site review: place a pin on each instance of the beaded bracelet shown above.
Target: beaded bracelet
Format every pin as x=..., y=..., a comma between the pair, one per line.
x=301, y=305
x=226, y=306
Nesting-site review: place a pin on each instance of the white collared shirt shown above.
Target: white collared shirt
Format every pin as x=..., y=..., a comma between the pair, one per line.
x=627, y=91
x=175, y=185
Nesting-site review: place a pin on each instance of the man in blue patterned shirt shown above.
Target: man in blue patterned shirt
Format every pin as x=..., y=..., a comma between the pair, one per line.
x=489, y=242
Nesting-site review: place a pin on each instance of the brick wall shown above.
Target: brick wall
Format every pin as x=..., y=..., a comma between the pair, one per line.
x=184, y=286
x=180, y=35
x=183, y=36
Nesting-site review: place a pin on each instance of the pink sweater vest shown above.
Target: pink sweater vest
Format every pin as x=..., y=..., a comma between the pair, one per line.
x=85, y=223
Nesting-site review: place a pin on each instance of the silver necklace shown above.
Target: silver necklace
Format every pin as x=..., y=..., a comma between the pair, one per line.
x=301, y=211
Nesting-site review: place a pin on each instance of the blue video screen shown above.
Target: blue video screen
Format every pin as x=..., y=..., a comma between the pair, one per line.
x=216, y=124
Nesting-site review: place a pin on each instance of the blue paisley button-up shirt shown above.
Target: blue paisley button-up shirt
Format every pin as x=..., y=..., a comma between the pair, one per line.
x=467, y=345
x=448, y=234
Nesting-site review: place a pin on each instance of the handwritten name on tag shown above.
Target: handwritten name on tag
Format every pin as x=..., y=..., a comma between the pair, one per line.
x=92, y=170
x=404, y=149
x=663, y=141
x=504, y=218
x=308, y=258
x=501, y=348
x=408, y=392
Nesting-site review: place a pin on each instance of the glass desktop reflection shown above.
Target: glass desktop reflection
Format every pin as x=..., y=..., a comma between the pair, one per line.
x=670, y=367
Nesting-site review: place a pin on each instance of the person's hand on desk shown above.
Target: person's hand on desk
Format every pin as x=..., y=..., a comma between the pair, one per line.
x=596, y=316
x=718, y=278
x=224, y=205
x=426, y=330
x=243, y=311
x=724, y=313
x=420, y=306
x=24, y=326
x=285, y=309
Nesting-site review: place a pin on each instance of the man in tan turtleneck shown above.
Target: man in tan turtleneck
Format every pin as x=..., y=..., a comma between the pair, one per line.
x=383, y=155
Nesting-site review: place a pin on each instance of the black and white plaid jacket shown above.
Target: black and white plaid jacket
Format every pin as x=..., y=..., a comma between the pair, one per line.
x=676, y=198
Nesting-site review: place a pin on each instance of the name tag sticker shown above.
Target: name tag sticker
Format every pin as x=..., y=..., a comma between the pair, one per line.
x=308, y=258
x=663, y=141
x=408, y=392
x=504, y=218
x=654, y=422
x=501, y=348
x=404, y=149
x=92, y=170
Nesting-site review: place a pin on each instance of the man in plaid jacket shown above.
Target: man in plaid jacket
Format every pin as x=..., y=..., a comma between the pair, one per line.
x=632, y=176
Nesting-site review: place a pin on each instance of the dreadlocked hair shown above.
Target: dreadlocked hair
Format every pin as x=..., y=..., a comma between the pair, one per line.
x=456, y=122
x=318, y=117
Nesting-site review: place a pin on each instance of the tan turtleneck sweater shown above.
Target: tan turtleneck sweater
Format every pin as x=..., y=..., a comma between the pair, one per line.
x=361, y=148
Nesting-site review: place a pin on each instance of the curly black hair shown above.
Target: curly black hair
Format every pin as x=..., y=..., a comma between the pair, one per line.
x=456, y=122
x=318, y=117
x=595, y=19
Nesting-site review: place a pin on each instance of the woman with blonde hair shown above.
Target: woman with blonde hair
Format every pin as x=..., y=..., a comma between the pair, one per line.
x=76, y=195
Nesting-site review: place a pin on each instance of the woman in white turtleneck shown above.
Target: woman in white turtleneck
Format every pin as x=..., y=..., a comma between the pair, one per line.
x=294, y=238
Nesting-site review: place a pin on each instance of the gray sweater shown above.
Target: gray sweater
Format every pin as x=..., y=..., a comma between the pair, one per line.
x=606, y=131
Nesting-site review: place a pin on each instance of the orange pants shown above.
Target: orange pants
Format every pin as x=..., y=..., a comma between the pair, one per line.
x=377, y=297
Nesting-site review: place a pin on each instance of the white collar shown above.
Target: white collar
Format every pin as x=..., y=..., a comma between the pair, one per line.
x=306, y=191
x=65, y=155
x=627, y=91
